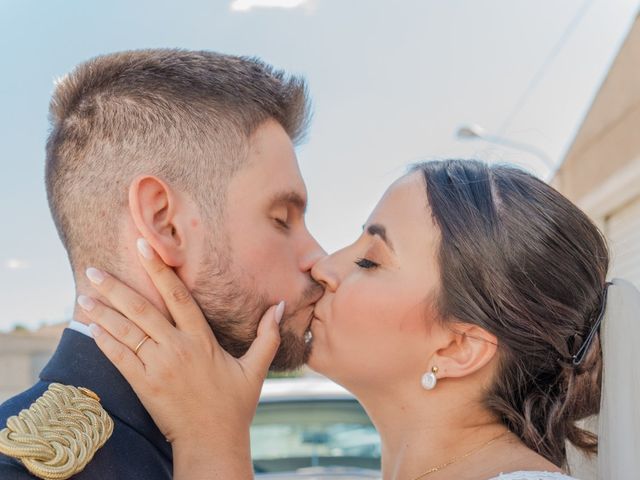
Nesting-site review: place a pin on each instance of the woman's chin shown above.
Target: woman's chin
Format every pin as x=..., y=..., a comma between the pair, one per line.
x=314, y=360
x=317, y=358
x=320, y=358
x=323, y=365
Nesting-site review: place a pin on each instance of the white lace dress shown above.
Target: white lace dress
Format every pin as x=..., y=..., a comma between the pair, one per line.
x=529, y=475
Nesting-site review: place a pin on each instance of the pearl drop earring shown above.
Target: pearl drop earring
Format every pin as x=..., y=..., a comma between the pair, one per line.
x=429, y=380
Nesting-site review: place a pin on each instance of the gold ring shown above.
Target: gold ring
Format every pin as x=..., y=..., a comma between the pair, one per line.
x=146, y=337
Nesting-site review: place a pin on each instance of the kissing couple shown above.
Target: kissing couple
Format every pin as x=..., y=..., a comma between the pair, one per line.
x=473, y=318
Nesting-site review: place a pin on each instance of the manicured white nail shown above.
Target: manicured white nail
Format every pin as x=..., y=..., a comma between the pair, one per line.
x=144, y=248
x=95, y=275
x=95, y=330
x=279, y=311
x=86, y=303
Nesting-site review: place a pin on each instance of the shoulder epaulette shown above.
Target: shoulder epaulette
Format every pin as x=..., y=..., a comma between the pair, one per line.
x=58, y=435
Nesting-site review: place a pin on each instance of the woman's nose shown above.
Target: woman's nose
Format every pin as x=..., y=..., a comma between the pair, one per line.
x=323, y=273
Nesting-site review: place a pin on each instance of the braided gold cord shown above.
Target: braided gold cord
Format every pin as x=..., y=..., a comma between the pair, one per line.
x=58, y=435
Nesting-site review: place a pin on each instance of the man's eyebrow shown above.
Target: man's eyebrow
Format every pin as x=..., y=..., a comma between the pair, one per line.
x=375, y=229
x=292, y=198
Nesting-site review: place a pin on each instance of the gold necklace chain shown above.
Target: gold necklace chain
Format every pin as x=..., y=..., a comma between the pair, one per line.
x=455, y=459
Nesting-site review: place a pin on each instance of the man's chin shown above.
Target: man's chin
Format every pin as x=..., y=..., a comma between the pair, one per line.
x=292, y=354
x=294, y=343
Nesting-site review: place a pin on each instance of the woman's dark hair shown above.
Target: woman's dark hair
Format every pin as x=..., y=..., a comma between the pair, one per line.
x=521, y=261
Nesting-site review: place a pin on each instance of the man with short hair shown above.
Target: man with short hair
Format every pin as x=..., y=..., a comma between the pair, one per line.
x=194, y=151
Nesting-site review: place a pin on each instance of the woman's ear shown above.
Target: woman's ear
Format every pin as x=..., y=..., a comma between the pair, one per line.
x=156, y=211
x=470, y=348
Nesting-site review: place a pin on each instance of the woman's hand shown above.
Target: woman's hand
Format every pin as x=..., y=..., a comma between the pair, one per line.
x=202, y=399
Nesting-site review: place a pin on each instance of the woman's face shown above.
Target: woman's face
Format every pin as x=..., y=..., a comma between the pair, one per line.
x=373, y=323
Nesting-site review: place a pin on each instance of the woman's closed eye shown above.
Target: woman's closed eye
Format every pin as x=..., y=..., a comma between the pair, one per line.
x=366, y=263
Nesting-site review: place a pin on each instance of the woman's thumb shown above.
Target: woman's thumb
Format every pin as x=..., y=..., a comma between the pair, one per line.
x=263, y=349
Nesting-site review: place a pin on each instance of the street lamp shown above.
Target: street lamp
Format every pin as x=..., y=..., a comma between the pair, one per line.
x=476, y=132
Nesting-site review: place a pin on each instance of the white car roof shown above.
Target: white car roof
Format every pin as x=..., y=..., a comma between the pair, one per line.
x=302, y=388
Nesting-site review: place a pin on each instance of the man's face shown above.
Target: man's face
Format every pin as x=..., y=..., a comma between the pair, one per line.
x=266, y=255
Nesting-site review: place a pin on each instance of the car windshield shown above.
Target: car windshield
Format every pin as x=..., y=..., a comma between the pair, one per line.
x=291, y=435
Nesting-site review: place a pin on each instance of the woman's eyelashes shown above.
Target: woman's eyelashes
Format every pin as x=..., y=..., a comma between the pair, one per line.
x=366, y=263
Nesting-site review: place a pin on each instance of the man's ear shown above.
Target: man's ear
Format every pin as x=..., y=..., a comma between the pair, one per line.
x=470, y=348
x=157, y=212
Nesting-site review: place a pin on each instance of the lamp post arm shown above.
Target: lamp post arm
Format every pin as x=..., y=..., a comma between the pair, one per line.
x=520, y=146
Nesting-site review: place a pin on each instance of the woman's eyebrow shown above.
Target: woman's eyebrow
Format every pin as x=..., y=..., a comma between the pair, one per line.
x=375, y=229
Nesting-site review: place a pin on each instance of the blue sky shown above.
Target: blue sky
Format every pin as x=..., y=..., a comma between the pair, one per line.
x=391, y=82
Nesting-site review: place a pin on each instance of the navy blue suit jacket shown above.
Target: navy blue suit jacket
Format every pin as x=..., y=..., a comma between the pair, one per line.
x=136, y=450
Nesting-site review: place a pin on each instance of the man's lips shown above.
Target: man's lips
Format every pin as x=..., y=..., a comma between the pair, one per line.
x=315, y=293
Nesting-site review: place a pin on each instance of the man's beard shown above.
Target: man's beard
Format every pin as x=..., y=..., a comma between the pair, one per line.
x=233, y=306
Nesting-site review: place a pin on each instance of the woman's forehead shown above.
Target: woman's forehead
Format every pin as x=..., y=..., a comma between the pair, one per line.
x=407, y=196
x=404, y=212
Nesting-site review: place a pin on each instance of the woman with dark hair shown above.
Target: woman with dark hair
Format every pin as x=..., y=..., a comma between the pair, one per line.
x=470, y=320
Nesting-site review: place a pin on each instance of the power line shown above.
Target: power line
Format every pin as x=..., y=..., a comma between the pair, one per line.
x=533, y=83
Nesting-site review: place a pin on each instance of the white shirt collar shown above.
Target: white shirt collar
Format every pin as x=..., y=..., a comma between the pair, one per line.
x=79, y=327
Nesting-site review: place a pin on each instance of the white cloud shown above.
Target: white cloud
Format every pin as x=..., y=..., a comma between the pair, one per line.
x=16, y=264
x=247, y=5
